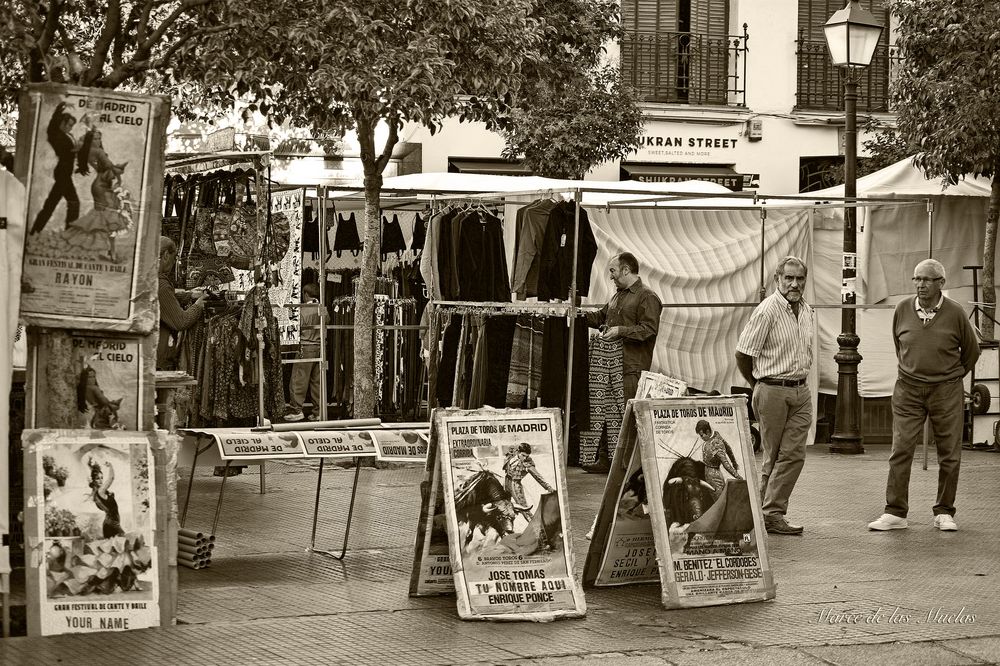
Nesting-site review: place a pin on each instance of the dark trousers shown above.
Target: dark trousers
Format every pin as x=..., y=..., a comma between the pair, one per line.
x=61, y=189
x=912, y=405
x=630, y=380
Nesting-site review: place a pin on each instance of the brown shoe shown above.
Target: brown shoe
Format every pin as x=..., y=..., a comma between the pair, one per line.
x=776, y=524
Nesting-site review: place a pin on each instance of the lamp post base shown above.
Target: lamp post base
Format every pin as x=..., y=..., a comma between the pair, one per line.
x=846, y=436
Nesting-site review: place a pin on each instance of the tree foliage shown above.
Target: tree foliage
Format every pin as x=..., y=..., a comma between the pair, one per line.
x=567, y=128
x=326, y=64
x=885, y=147
x=98, y=43
x=359, y=63
x=947, y=97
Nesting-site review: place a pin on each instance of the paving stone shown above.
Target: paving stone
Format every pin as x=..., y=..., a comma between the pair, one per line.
x=894, y=654
x=267, y=600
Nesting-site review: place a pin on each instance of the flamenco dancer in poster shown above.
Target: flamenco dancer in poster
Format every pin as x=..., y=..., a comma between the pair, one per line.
x=89, y=395
x=64, y=144
x=111, y=216
x=100, y=484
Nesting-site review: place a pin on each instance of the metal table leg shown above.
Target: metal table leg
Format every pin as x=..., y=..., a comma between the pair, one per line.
x=187, y=495
x=222, y=490
x=350, y=512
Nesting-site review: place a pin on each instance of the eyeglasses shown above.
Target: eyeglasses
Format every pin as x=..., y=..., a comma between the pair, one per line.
x=924, y=280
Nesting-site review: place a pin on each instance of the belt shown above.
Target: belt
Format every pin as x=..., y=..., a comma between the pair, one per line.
x=791, y=383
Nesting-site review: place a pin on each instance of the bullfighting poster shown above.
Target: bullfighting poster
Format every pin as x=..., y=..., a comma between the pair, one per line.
x=507, y=514
x=107, y=378
x=622, y=549
x=701, y=485
x=89, y=526
x=432, y=573
x=93, y=163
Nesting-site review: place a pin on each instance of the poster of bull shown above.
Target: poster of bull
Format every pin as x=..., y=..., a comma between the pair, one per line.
x=92, y=513
x=622, y=549
x=702, y=490
x=93, y=163
x=507, y=514
x=432, y=573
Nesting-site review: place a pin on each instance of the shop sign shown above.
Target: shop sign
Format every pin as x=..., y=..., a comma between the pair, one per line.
x=507, y=514
x=688, y=143
x=93, y=161
x=707, y=523
x=92, y=564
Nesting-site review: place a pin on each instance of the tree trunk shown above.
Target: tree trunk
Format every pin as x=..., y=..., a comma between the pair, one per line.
x=989, y=250
x=364, y=298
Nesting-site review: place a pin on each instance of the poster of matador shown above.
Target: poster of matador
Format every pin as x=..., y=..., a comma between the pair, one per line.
x=507, y=514
x=93, y=161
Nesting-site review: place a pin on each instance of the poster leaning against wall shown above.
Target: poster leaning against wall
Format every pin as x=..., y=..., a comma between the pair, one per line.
x=507, y=514
x=90, y=521
x=93, y=164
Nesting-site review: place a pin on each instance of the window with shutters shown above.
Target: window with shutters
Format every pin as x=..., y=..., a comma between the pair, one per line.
x=679, y=51
x=820, y=85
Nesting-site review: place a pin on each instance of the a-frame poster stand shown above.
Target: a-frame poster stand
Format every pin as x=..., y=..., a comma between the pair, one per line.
x=506, y=515
x=431, y=574
x=678, y=457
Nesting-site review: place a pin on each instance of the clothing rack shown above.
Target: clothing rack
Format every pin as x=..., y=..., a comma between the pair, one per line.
x=566, y=309
x=229, y=163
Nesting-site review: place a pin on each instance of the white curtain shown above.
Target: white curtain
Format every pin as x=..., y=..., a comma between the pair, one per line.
x=12, y=203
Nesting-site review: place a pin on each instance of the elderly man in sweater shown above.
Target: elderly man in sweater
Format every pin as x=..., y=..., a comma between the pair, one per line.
x=936, y=347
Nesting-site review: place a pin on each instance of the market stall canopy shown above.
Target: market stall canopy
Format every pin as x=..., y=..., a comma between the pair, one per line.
x=594, y=192
x=891, y=241
x=904, y=178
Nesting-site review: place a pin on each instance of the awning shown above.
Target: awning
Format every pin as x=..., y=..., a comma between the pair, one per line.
x=678, y=173
x=496, y=167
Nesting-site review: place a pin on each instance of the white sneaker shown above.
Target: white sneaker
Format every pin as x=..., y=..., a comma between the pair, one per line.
x=945, y=523
x=889, y=522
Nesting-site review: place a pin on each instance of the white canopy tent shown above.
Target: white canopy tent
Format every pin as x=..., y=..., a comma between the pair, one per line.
x=891, y=241
x=705, y=250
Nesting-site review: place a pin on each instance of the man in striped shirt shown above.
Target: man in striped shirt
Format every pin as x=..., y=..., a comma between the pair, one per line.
x=774, y=354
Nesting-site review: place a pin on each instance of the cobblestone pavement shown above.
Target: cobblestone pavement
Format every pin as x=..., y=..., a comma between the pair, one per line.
x=266, y=599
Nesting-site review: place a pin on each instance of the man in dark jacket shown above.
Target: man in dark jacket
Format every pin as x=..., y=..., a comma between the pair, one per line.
x=173, y=317
x=632, y=315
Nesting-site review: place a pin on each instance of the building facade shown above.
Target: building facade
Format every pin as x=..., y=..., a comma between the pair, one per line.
x=739, y=92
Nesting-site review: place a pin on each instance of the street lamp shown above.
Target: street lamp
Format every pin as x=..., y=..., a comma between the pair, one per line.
x=851, y=35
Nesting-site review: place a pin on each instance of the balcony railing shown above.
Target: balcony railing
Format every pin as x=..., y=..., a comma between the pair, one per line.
x=686, y=68
x=820, y=85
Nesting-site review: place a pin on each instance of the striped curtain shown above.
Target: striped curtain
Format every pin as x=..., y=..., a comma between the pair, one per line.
x=708, y=257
